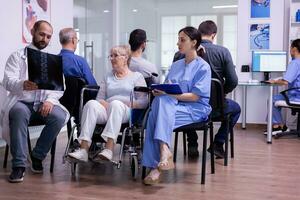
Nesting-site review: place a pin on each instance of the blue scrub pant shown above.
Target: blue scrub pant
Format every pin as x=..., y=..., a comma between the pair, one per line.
x=165, y=115
x=276, y=117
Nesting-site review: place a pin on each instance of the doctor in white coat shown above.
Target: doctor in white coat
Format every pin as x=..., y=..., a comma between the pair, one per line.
x=24, y=102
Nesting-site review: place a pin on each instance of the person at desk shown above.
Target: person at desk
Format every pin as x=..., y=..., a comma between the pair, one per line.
x=74, y=65
x=291, y=78
x=220, y=61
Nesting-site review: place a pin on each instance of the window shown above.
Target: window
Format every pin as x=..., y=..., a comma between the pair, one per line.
x=230, y=34
x=169, y=37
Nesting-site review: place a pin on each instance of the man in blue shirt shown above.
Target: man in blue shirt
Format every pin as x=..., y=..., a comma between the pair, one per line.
x=291, y=78
x=74, y=65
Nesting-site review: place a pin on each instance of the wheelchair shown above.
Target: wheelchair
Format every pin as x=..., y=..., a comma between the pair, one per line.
x=130, y=140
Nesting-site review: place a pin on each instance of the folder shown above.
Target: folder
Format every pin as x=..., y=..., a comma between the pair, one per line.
x=169, y=88
x=45, y=70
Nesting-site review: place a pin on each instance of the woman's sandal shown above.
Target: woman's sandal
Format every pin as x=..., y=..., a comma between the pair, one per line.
x=166, y=163
x=150, y=180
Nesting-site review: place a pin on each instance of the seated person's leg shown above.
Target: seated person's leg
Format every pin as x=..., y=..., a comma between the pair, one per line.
x=277, y=118
x=18, y=124
x=118, y=113
x=93, y=113
x=192, y=139
x=234, y=109
x=53, y=124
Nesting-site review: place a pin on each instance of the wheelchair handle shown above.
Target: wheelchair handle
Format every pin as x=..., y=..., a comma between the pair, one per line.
x=141, y=89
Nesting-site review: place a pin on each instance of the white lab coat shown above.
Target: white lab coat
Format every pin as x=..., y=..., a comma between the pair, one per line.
x=15, y=74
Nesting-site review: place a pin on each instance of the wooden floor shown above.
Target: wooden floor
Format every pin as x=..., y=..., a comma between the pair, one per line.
x=258, y=171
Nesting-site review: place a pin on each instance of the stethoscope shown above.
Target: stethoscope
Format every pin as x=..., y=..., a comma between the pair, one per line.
x=24, y=56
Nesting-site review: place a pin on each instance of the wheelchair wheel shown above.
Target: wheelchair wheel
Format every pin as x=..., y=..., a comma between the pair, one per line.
x=134, y=166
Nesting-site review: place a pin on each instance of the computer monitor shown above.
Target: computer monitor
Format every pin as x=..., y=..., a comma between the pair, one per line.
x=269, y=61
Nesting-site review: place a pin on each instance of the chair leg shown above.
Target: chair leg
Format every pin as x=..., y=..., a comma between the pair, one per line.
x=69, y=128
x=184, y=143
x=226, y=145
x=203, y=171
x=175, y=147
x=212, y=155
x=53, y=148
x=144, y=172
x=28, y=142
x=5, y=156
x=231, y=143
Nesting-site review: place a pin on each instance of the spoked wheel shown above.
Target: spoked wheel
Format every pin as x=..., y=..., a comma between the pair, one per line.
x=134, y=166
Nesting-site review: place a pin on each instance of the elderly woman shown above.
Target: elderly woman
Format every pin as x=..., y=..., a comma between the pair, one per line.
x=112, y=105
x=171, y=111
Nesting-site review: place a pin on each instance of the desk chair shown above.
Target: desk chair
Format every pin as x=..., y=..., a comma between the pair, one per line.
x=217, y=115
x=52, y=151
x=295, y=108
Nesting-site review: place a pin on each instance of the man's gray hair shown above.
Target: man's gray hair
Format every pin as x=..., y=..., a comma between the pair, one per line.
x=66, y=35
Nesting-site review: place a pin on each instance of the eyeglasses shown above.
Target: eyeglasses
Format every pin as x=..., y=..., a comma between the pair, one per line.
x=113, y=56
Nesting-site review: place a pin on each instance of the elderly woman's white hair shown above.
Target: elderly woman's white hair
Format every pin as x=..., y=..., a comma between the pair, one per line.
x=123, y=50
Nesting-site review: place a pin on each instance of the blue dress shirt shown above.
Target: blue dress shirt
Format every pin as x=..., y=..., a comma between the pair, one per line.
x=77, y=66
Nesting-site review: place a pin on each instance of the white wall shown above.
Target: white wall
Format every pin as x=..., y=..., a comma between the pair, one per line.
x=11, y=30
x=257, y=96
x=11, y=27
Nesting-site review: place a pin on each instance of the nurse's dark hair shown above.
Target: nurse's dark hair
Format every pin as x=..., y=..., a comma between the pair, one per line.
x=194, y=34
x=296, y=44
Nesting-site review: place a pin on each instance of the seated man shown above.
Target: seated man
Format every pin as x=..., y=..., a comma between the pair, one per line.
x=137, y=41
x=24, y=102
x=292, y=79
x=74, y=65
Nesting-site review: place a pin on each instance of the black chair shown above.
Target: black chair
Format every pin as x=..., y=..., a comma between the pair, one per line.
x=199, y=126
x=217, y=102
x=295, y=108
x=218, y=105
x=52, y=151
x=71, y=99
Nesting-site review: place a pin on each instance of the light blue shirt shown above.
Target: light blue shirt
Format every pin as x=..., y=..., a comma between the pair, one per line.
x=292, y=76
x=195, y=78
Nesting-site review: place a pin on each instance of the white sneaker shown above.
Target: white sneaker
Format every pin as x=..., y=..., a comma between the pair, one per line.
x=105, y=154
x=79, y=154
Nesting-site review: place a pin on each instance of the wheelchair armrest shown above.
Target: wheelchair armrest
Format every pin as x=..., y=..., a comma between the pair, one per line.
x=96, y=87
x=141, y=89
x=286, y=98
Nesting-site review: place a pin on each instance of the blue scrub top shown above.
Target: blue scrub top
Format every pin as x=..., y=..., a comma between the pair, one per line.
x=74, y=65
x=194, y=77
x=292, y=76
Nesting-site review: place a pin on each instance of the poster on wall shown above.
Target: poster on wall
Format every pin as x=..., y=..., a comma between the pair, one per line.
x=260, y=8
x=259, y=36
x=33, y=10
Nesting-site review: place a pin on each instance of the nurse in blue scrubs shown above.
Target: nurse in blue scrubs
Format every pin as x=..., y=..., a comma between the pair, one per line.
x=171, y=111
x=291, y=78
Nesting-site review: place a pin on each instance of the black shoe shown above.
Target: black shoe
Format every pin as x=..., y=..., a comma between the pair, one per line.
x=218, y=150
x=17, y=175
x=193, y=151
x=36, y=165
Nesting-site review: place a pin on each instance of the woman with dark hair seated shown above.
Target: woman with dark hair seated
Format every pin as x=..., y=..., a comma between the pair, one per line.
x=171, y=111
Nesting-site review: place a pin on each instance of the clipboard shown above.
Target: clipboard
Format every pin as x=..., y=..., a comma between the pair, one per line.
x=45, y=70
x=169, y=88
